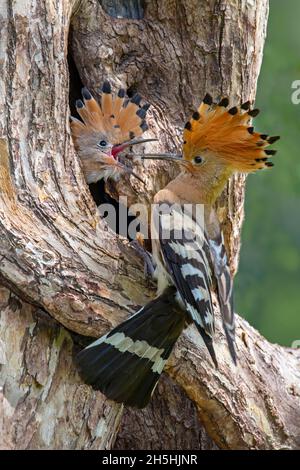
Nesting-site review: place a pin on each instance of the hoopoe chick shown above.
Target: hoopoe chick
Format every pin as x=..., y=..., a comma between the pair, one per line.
x=106, y=130
x=189, y=253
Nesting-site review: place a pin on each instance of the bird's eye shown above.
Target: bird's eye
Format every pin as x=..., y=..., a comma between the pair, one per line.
x=198, y=160
x=102, y=143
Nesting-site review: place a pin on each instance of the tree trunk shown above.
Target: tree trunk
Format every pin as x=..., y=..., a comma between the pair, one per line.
x=43, y=403
x=59, y=257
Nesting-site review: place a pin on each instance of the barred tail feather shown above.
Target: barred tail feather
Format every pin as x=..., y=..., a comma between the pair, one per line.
x=224, y=287
x=208, y=341
x=126, y=363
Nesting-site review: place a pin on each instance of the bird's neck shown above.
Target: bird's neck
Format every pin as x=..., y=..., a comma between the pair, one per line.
x=200, y=188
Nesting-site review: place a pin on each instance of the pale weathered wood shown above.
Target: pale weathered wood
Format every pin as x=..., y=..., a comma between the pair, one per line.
x=43, y=403
x=252, y=406
x=59, y=255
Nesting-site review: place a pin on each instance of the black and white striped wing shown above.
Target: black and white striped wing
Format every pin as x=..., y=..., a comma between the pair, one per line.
x=186, y=254
x=224, y=289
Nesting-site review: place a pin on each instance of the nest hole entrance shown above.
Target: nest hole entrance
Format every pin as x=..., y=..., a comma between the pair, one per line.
x=98, y=191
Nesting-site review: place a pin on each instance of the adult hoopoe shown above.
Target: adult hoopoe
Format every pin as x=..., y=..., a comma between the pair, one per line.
x=106, y=130
x=126, y=363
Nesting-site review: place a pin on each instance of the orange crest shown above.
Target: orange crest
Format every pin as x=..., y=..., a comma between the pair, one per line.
x=226, y=134
x=117, y=117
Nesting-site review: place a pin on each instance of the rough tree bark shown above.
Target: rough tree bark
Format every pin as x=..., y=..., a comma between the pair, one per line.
x=58, y=256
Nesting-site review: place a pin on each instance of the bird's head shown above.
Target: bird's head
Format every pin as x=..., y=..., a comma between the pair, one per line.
x=105, y=130
x=219, y=140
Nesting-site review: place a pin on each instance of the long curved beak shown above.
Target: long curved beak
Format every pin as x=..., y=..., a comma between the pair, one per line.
x=162, y=156
x=119, y=148
x=138, y=141
x=171, y=157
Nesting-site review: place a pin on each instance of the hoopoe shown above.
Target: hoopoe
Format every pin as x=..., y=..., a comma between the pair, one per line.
x=106, y=130
x=126, y=363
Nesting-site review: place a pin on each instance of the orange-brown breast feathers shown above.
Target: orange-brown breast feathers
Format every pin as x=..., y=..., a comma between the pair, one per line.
x=226, y=132
x=118, y=118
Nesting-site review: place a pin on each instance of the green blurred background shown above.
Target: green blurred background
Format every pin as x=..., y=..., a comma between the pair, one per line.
x=267, y=287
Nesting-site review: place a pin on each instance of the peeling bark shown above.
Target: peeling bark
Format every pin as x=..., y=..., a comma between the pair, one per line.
x=43, y=403
x=170, y=422
x=254, y=405
x=57, y=255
